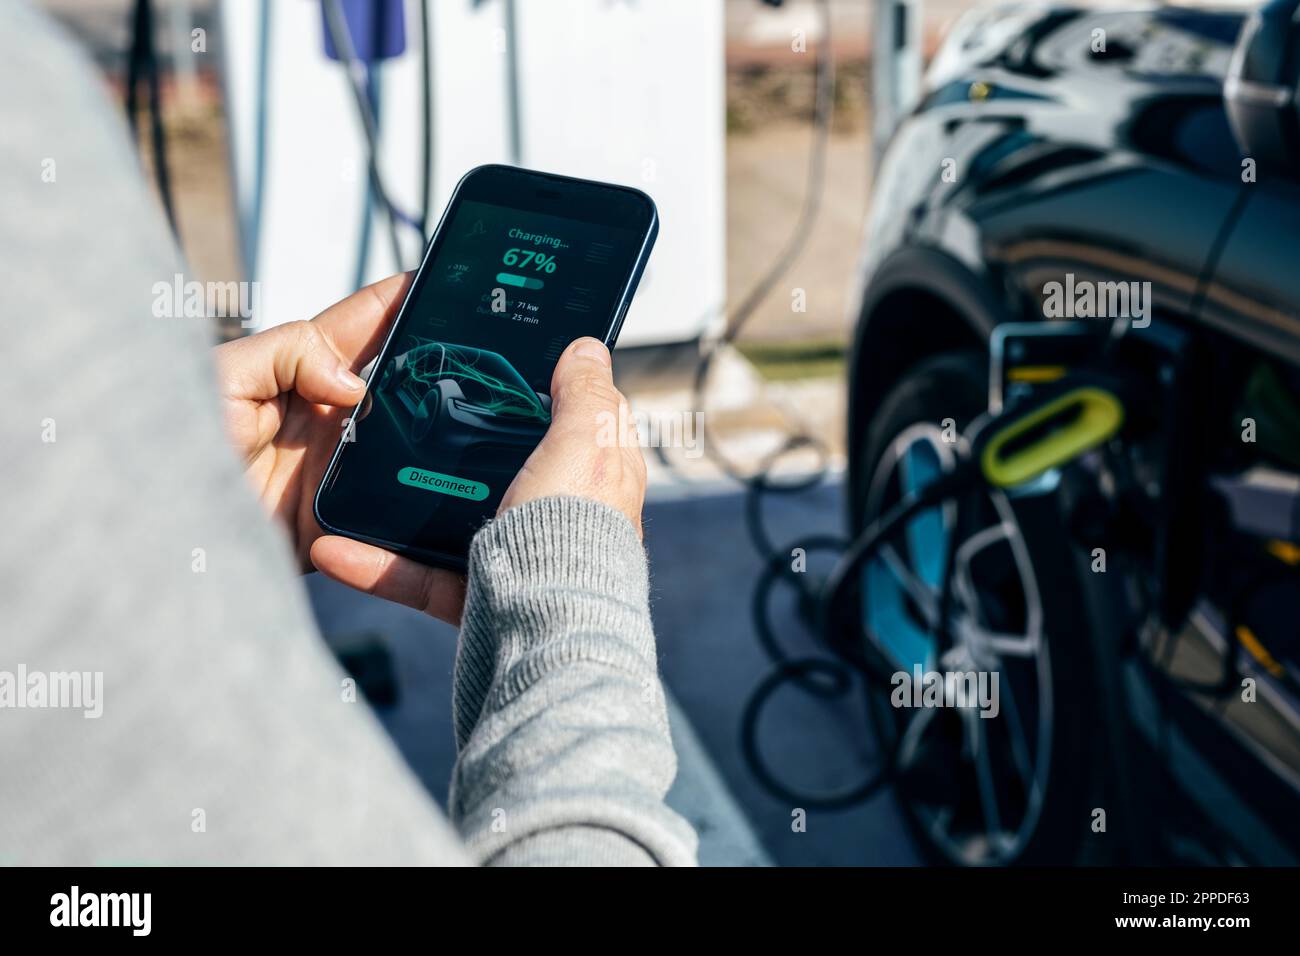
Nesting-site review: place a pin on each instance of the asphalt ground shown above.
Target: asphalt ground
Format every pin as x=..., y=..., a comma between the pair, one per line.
x=703, y=574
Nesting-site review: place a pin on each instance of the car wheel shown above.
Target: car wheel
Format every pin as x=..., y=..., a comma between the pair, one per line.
x=1010, y=788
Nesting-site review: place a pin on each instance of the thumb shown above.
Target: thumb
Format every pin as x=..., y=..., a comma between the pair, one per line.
x=590, y=450
x=582, y=385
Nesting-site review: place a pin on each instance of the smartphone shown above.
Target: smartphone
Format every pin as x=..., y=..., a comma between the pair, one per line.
x=521, y=264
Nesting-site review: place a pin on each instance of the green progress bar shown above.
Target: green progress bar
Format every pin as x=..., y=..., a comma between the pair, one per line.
x=524, y=282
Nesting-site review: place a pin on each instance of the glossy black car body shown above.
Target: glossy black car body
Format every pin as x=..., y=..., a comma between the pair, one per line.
x=1034, y=156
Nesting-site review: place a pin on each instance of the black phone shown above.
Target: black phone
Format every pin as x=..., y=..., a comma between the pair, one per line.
x=521, y=264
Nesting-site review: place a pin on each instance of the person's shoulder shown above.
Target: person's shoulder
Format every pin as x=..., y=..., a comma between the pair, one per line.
x=54, y=94
x=38, y=56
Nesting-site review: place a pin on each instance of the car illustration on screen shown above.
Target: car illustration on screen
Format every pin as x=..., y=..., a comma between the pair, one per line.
x=464, y=407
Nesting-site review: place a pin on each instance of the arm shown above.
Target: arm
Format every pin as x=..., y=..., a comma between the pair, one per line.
x=565, y=755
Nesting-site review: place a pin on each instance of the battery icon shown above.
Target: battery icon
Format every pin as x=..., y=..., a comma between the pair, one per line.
x=523, y=282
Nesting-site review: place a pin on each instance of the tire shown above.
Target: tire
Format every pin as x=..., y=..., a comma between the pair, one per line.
x=1021, y=583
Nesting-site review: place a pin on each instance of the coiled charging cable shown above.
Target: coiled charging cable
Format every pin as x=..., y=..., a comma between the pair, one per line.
x=1000, y=451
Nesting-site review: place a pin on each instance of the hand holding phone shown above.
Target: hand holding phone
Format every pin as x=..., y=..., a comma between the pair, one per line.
x=573, y=459
x=521, y=265
x=286, y=393
x=577, y=456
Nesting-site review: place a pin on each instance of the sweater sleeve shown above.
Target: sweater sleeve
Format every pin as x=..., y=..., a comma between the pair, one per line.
x=565, y=752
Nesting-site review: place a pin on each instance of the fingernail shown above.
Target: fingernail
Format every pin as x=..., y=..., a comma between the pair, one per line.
x=590, y=348
x=350, y=381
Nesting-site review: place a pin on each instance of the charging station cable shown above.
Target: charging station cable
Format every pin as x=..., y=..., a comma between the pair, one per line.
x=142, y=64
x=358, y=75
x=1009, y=449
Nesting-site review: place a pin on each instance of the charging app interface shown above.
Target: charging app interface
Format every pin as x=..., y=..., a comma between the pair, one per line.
x=462, y=396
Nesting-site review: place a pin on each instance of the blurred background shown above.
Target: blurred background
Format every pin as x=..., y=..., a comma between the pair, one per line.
x=1096, y=140
x=720, y=132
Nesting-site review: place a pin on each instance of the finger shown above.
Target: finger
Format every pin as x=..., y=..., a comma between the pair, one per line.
x=435, y=591
x=356, y=326
x=303, y=360
x=286, y=358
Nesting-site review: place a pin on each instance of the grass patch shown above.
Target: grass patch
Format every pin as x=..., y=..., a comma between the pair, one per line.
x=788, y=361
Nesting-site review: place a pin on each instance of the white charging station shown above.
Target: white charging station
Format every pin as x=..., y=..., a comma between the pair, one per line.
x=631, y=93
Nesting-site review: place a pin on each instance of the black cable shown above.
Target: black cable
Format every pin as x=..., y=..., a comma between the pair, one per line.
x=839, y=683
x=823, y=110
x=142, y=63
x=373, y=94
x=821, y=608
x=829, y=677
x=833, y=677
x=512, y=85
x=356, y=72
x=760, y=482
x=426, y=103
x=135, y=58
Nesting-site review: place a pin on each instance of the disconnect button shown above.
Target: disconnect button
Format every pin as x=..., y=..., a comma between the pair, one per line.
x=443, y=484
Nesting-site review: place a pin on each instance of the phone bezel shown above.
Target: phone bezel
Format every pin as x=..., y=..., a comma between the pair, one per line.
x=530, y=191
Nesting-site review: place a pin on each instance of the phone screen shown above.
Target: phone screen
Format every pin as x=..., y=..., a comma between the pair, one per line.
x=521, y=265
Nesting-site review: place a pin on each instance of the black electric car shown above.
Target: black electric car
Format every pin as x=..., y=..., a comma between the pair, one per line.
x=463, y=407
x=1142, y=605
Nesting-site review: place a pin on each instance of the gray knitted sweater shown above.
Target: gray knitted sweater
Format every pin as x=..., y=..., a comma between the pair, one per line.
x=208, y=722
